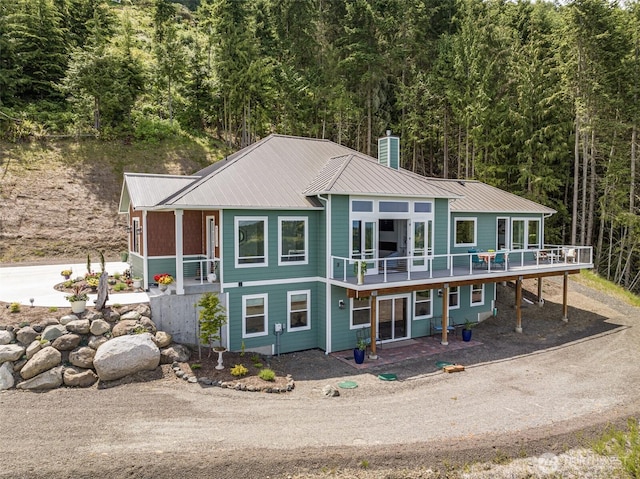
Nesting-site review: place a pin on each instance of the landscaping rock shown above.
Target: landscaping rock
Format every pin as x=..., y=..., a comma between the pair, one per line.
x=125, y=326
x=175, y=352
x=18, y=365
x=26, y=335
x=53, y=331
x=33, y=348
x=78, y=377
x=93, y=315
x=99, y=327
x=163, y=339
x=6, y=337
x=130, y=316
x=330, y=391
x=79, y=326
x=10, y=352
x=6, y=376
x=96, y=341
x=43, y=360
x=148, y=324
x=68, y=318
x=47, y=380
x=143, y=309
x=112, y=316
x=126, y=355
x=82, y=357
x=66, y=342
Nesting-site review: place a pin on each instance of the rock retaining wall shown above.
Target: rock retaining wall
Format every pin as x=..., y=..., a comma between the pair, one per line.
x=78, y=350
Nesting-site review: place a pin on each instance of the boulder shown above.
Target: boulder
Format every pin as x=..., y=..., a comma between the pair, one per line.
x=143, y=309
x=175, y=353
x=82, y=357
x=33, y=348
x=10, y=352
x=163, y=339
x=93, y=315
x=26, y=335
x=112, y=316
x=6, y=376
x=47, y=380
x=66, y=342
x=330, y=391
x=18, y=365
x=125, y=326
x=43, y=360
x=148, y=324
x=126, y=355
x=96, y=341
x=99, y=327
x=53, y=331
x=79, y=378
x=79, y=326
x=6, y=337
x=130, y=316
x=68, y=318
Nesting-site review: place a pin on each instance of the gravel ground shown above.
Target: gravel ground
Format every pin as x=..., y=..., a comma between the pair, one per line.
x=538, y=396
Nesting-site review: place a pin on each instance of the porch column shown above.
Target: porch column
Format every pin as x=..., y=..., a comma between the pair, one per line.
x=519, y=305
x=145, y=253
x=540, y=300
x=179, y=253
x=565, y=289
x=374, y=333
x=445, y=315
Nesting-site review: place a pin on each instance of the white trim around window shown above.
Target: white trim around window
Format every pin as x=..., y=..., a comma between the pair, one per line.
x=473, y=241
x=422, y=303
x=254, y=260
x=298, y=310
x=259, y=304
x=362, y=310
x=476, y=294
x=454, y=297
x=296, y=256
x=135, y=237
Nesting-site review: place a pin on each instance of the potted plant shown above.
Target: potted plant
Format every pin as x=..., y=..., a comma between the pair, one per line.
x=66, y=273
x=360, y=269
x=78, y=299
x=163, y=280
x=211, y=319
x=358, y=352
x=466, y=332
x=137, y=282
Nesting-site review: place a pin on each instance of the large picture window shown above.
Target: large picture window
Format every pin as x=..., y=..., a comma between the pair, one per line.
x=360, y=312
x=251, y=241
x=465, y=232
x=422, y=304
x=299, y=310
x=254, y=315
x=293, y=241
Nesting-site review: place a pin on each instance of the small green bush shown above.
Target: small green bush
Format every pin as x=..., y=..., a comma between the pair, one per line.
x=239, y=370
x=14, y=308
x=23, y=324
x=196, y=366
x=119, y=287
x=267, y=374
x=116, y=275
x=68, y=283
x=53, y=309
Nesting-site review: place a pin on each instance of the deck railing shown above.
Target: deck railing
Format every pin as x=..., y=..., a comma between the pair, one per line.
x=205, y=270
x=406, y=268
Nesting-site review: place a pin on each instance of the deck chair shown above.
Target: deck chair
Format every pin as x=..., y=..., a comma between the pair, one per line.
x=436, y=326
x=475, y=259
x=500, y=259
x=570, y=255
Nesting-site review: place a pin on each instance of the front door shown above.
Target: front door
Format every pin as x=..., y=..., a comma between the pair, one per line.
x=393, y=321
x=421, y=244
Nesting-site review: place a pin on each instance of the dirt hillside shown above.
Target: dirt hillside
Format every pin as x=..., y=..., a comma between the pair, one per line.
x=59, y=200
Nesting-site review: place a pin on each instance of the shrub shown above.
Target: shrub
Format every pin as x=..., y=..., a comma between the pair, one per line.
x=196, y=366
x=119, y=287
x=116, y=275
x=14, y=308
x=239, y=370
x=68, y=283
x=53, y=309
x=93, y=282
x=267, y=374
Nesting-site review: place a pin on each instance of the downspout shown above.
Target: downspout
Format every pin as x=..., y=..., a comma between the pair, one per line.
x=145, y=256
x=327, y=274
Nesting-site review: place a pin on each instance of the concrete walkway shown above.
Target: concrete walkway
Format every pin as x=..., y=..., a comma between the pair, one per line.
x=21, y=283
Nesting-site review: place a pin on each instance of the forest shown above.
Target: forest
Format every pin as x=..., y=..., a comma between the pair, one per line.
x=537, y=98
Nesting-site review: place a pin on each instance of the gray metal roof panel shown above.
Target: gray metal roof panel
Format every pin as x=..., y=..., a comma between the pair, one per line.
x=146, y=191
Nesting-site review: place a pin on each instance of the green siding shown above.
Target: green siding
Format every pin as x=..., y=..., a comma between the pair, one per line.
x=342, y=337
x=441, y=215
x=394, y=146
x=137, y=265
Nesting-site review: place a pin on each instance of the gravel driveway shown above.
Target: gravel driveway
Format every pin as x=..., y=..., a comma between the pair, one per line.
x=520, y=394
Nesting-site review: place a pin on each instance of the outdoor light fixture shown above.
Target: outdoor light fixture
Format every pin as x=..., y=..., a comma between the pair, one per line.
x=31, y=300
x=341, y=304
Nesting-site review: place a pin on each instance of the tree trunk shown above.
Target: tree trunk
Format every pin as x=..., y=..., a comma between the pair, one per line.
x=632, y=185
x=576, y=183
x=592, y=190
x=445, y=166
x=583, y=203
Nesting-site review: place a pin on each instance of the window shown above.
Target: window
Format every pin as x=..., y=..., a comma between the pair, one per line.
x=465, y=232
x=293, y=241
x=393, y=207
x=299, y=310
x=533, y=234
x=420, y=207
x=363, y=234
x=360, y=312
x=254, y=315
x=517, y=234
x=135, y=239
x=477, y=294
x=251, y=241
x=454, y=297
x=362, y=206
x=525, y=233
x=422, y=304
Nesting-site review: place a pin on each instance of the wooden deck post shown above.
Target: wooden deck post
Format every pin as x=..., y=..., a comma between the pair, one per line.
x=374, y=333
x=565, y=306
x=519, y=305
x=445, y=315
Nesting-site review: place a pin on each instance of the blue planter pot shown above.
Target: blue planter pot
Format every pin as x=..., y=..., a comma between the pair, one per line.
x=358, y=355
x=466, y=335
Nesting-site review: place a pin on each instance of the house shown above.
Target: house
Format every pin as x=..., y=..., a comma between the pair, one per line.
x=282, y=228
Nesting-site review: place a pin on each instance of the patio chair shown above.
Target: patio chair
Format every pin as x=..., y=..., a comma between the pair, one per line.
x=569, y=255
x=500, y=258
x=475, y=259
x=436, y=326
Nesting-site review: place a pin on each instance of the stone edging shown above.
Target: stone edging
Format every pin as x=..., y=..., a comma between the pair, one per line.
x=177, y=370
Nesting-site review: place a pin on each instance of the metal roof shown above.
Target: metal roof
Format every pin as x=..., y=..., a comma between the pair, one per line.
x=481, y=197
x=146, y=191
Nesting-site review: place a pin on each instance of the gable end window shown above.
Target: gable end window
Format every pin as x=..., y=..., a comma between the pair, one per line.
x=293, y=241
x=251, y=241
x=465, y=232
x=254, y=315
